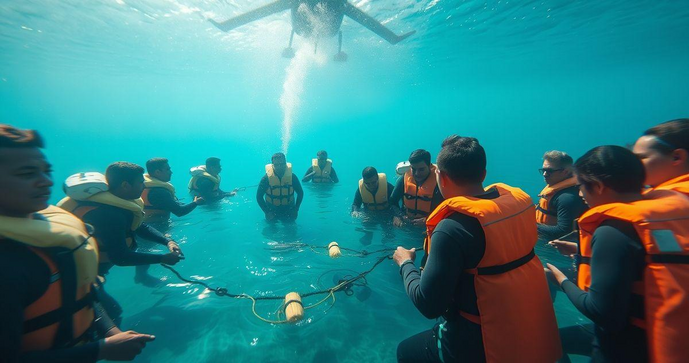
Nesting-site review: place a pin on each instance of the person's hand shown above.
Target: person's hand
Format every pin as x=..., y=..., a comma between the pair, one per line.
x=174, y=248
x=124, y=346
x=397, y=221
x=556, y=274
x=170, y=258
x=402, y=254
x=356, y=214
x=199, y=200
x=115, y=330
x=565, y=247
x=270, y=216
x=419, y=221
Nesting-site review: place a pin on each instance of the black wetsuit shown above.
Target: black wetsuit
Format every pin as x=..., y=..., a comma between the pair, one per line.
x=205, y=188
x=358, y=202
x=333, y=174
x=617, y=261
x=443, y=289
x=398, y=194
x=569, y=206
x=163, y=199
x=284, y=211
x=24, y=277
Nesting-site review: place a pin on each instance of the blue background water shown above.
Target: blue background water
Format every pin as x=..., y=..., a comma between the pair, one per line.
x=135, y=79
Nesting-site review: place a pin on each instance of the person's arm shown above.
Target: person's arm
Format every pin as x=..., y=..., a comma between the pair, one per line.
x=205, y=189
x=308, y=176
x=437, y=197
x=333, y=175
x=569, y=207
x=397, y=192
x=299, y=190
x=617, y=257
x=111, y=232
x=151, y=234
x=356, y=204
x=432, y=291
x=261, y=192
x=163, y=199
x=394, y=207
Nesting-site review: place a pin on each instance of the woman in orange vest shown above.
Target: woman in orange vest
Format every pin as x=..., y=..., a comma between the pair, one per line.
x=634, y=270
x=481, y=276
x=47, y=312
x=664, y=151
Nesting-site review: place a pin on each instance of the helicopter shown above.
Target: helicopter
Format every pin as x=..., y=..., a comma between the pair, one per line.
x=315, y=19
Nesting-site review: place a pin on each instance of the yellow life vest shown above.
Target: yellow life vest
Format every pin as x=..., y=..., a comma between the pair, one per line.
x=378, y=201
x=543, y=214
x=203, y=175
x=150, y=183
x=322, y=176
x=280, y=190
x=136, y=206
x=44, y=318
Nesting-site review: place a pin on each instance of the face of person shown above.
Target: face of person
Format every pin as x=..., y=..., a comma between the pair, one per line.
x=322, y=158
x=280, y=166
x=371, y=183
x=133, y=190
x=658, y=166
x=164, y=173
x=214, y=169
x=420, y=171
x=589, y=194
x=25, y=181
x=553, y=174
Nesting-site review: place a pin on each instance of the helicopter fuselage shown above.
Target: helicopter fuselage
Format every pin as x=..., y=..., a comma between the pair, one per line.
x=317, y=18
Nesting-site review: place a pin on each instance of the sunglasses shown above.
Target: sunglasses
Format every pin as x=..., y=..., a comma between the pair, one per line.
x=548, y=170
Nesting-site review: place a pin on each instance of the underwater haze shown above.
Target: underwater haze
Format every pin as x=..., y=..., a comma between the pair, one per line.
x=128, y=80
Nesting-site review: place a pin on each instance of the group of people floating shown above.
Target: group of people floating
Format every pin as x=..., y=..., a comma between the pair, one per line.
x=622, y=215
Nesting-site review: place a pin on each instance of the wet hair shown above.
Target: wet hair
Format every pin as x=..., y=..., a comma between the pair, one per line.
x=670, y=135
x=278, y=156
x=420, y=155
x=122, y=171
x=618, y=168
x=559, y=158
x=212, y=161
x=369, y=172
x=13, y=137
x=450, y=140
x=322, y=153
x=155, y=164
x=463, y=160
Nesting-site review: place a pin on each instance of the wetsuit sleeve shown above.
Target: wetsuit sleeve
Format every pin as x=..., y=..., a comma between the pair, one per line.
x=110, y=230
x=333, y=175
x=432, y=291
x=617, y=261
x=437, y=198
x=394, y=207
x=163, y=199
x=569, y=207
x=205, y=189
x=151, y=234
x=261, y=192
x=356, y=204
x=397, y=193
x=308, y=177
x=299, y=190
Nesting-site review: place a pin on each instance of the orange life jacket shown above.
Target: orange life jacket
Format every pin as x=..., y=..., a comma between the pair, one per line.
x=543, y=214
x=418, y=199
x=679, y=184
x=516, y=313
x=661, y=220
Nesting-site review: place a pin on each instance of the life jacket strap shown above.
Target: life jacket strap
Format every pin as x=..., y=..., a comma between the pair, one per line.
x=501, y=269
x=545, y=211
x=57, y=315
x=471, y=317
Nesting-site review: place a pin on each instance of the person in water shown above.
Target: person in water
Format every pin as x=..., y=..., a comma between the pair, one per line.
x=664, y=151
x=321, y=170
x=205, y=181
x=48, y=263
x=633, y=273
x=117, y=217
x=481, y=274
x=419, y=189
x=374, y=193
x=159, y=194
x=276, y=191
x=559, y=203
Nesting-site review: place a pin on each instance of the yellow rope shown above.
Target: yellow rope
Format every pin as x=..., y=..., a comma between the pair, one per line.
x=253, y=309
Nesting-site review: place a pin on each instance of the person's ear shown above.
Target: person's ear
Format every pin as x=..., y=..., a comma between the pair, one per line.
x=680, y=157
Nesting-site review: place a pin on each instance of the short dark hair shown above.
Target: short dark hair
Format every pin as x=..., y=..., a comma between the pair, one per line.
x=323, y=153
x=618, y=168
x=463, y=160
x=212, y=161
x=155, y=164
x=559, y=158
x=420, y=155
x=278, y=156
x=670, y=135
x=13, y=137
x=450, y=140
x=369, y=172
x=122, y=171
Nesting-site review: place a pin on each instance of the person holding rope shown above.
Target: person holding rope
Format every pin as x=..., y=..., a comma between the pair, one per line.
x=481, y=275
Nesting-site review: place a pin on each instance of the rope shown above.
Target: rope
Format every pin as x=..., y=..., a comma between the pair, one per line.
x=314, y=249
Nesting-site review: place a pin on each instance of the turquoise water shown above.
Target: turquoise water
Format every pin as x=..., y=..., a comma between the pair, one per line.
x=134, y=79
